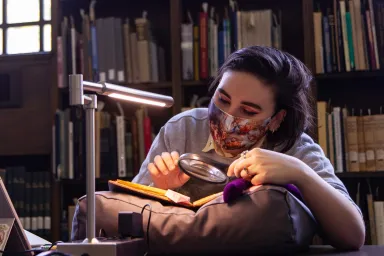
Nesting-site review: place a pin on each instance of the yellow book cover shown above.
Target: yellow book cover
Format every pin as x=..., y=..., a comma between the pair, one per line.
x=157, y=193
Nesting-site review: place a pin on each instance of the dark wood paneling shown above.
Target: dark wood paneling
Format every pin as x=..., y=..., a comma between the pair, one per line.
x=175, y=23
x=27, y=130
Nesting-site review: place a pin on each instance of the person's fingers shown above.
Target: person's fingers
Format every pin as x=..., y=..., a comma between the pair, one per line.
x=175, y=157
x=257, y=179
x=231, y=168
x=160, y=165
x=248, y=172
x=153, y=170
x=168, y=161
x=244, y=163
x=183, y=178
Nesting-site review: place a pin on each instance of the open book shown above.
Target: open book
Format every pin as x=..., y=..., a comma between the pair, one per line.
x=161, y=194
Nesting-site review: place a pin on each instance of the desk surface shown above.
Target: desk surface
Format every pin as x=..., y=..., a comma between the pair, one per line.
x=327, y=251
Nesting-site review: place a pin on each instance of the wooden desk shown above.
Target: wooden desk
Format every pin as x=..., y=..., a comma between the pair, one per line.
x=328, y=250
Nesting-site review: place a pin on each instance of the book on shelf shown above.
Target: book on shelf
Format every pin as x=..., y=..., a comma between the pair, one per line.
x=348, y=35
x=121, y=143
x=30, y=193
x=109, y=49
x=375, y=216
x=210, y=36
x=167, y=196
x=352, y=141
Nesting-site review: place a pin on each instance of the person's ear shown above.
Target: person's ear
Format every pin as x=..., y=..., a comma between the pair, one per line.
x=277, y=120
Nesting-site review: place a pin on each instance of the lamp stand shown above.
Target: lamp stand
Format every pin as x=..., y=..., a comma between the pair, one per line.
x=90, y=149
x=91, y=246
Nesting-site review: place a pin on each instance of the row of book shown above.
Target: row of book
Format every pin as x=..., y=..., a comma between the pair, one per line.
x=121, y=143
x=30, y=193
x=209, y=39
x=109, y=49
x=372, y=208
x=349, y=36
x=353, y=143
x=376, y=220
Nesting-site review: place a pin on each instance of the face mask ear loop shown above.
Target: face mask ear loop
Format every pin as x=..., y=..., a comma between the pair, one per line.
x=273, y=116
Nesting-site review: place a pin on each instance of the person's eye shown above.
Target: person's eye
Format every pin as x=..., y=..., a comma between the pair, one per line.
x=223, y=100
x=249, y=112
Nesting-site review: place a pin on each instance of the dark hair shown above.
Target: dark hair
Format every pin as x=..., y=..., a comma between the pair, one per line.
x=291, y=82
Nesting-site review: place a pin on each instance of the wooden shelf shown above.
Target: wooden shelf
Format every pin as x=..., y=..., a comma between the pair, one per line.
x=195, y=83
x=378, y=174
x=350, y=75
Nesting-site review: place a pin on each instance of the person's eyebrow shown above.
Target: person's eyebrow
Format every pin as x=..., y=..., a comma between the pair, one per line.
x=250, y=104
x=253, y=105
x=224, y=92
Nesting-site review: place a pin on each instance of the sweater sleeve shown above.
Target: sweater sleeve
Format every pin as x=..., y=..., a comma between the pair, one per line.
x=312, y=154
x=159, y=145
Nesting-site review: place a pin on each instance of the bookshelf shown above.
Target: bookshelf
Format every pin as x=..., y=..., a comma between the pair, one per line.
x=348, y=50
x=299, y=26
x=358, y=175
x=350, y=75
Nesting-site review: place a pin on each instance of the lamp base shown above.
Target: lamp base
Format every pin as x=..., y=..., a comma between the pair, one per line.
x=118, y=247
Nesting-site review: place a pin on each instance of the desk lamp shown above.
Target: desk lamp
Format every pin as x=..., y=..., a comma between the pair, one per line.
x=91, y=245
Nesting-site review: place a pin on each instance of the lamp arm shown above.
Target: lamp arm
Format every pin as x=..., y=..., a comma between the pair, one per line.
x=77, y=86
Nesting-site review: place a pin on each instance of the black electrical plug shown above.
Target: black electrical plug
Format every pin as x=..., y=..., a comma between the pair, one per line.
x=130, y=224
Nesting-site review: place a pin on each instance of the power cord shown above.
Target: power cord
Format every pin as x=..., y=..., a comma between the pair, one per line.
x=149, y=221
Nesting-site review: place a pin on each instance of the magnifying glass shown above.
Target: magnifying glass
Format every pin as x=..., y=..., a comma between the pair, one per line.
x=203, y=168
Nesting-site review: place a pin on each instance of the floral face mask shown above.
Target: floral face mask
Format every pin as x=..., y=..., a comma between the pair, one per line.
x=232, y=135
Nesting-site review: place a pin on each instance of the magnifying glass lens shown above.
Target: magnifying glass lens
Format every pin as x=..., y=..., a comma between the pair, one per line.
x=200, y=168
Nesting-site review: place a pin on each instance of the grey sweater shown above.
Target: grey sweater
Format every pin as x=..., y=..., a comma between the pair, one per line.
x=188, y=132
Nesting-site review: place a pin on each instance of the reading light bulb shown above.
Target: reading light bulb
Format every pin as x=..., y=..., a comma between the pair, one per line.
x=135, y=99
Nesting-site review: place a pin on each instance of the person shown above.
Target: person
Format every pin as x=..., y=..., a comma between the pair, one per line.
x=261, y=105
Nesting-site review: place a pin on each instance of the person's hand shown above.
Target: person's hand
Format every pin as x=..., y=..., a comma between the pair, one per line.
x=262, y=166
x=165, y=172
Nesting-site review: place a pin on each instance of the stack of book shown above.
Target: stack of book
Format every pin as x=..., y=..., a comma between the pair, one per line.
x=208, y=39
x=121, y=143
x=109, y=49
x=30, y=193
x=349, y=36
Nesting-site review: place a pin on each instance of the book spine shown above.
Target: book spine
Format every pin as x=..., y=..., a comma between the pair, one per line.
x=350, y=40
x=187, y=51
x=378, y=207
x=203, y=45
x=338, y=139
x=121, y=161
x=379, y=15
x=319, y=54
x=327, y=43
x=196, y=55
x=332, y=31
x=353, y=147
x=374, y=36
x=345, y=35
x=342, y=61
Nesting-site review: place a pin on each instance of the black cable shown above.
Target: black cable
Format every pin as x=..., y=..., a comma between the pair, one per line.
x=149, y=221
x=102, y=233
x=53, y=244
